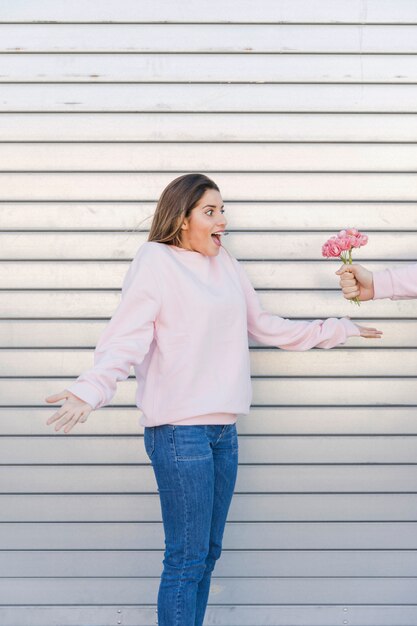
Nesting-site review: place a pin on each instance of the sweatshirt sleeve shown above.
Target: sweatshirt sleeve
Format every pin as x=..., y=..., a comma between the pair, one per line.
x=398, y=283
x=126, y=339
x=287, y=334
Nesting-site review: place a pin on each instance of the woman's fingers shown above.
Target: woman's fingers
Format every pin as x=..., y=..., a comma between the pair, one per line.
x=64, y=415
x=74, y=410
x=371, y=335
x=58, y=396
x=69, y=420
x=57, y=415
x=74, y=420
x=369, y=332
x=68, y=417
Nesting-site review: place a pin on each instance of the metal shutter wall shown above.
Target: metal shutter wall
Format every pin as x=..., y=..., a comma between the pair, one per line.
x=304, y=113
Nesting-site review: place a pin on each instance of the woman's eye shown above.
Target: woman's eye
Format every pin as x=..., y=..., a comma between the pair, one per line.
x=211, y=211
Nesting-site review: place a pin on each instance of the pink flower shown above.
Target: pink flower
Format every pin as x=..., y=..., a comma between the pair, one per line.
x=331, y=248
x=356, y=243
x=359, y=240
x=344, y=242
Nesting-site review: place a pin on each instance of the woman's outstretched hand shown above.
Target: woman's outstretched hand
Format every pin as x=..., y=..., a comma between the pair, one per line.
x=356, y=282
x=368, y=332
x=74, y=410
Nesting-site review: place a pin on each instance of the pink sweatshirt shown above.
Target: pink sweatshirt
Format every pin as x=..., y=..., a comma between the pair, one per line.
x=183, y=323
x=398, y=283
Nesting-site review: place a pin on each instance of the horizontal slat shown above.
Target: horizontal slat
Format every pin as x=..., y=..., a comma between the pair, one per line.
x=278, y=615
x=260, y=421
x=287, y=420
x=216, y=11
x=231, y=564
x=109, y=275
x=208, y=127
x=331, y=305
x=349, y=392
x=281, y=615
x=237, y=536
x=194, y=67
x=209, y=98
x=357, y=362
x=222, y=591
x=286, y=246
x=174, y=38
x=21, y=245
x=235, y=157
x=289, y=304
x=392, y=187
x=251, y=479
x=284, y=449
x=266, y=391
x=264, y=362
x=243, y=216
x=248, y=508
x=276, y=275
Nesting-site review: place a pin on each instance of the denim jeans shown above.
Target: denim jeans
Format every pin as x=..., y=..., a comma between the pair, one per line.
x=195, y=469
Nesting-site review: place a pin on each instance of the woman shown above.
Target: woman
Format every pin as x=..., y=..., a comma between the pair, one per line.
x=183, y=321
x=396, y=283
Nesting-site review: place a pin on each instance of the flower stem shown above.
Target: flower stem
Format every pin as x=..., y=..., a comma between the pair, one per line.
x=356, y=300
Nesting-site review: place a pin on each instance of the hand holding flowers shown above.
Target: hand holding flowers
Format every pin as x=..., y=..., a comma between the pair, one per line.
x=356, y=280
x=340, y=246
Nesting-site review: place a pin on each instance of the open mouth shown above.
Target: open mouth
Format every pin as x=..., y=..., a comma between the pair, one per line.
x=216, y=237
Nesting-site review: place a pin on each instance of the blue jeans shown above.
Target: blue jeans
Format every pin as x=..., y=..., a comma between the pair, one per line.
x=195, y=469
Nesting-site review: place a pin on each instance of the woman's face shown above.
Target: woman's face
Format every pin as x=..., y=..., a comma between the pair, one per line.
x=206, y=218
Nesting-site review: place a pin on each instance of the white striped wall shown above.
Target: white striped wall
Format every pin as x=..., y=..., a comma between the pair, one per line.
x=305, y=115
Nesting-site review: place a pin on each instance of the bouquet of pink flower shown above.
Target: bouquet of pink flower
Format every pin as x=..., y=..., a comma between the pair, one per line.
x=340, y=246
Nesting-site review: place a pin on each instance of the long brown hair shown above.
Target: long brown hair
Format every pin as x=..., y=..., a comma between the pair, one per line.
x=175, y=204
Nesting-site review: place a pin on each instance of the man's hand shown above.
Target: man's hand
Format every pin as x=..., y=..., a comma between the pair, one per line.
x=356, y=281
